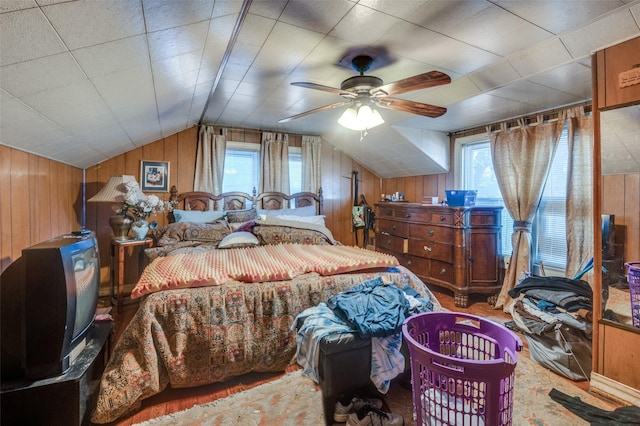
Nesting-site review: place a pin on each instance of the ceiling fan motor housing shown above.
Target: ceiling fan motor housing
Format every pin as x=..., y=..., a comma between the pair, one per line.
x=361, y=83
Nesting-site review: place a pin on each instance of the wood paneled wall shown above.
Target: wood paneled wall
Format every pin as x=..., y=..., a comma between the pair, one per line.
x=180, y=151
x=621, y=197
x=39, y=199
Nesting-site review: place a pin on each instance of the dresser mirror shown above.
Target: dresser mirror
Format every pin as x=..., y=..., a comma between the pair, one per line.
x=620, y=140
x=620, y=158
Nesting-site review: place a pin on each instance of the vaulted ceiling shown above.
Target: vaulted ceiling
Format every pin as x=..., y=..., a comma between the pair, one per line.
x=83, y=81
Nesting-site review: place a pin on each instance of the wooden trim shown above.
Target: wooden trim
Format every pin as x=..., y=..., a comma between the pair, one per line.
x=614, y=390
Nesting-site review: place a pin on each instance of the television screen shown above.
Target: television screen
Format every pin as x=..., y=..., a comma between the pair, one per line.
x=49, y=299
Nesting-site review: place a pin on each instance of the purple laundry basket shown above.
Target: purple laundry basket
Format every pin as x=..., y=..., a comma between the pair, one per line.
x=462, y=369
x=634, y=291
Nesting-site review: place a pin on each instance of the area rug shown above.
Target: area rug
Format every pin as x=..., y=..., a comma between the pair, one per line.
x=294, y=399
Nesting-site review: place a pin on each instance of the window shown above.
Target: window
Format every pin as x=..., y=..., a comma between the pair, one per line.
x=242, y=168
x=549, y=238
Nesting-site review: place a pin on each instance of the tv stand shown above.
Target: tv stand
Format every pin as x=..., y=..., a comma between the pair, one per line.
x=62, y=400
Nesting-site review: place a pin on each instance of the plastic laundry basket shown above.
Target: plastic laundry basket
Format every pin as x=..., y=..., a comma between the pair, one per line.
x=634, y=291
x=462, y=369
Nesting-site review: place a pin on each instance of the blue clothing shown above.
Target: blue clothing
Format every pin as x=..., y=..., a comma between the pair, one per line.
x=372, y=308
x=319, y=321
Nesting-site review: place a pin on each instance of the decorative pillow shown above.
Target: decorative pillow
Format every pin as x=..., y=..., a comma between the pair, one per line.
x=300, y=211
x=238, y=239
x=239, y=216
x=197, y=216
x=276, y=234
x=169, y=234
x=210, y=232
x=318, y=220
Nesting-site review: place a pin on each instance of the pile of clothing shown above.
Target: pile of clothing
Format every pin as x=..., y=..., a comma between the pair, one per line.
x=555, y=314
x=374, y=310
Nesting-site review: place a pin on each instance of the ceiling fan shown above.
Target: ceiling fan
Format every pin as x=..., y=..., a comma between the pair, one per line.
x=368, y=90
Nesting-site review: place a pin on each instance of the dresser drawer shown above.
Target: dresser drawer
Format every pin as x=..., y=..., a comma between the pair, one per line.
x=441, y=271
x=431, y=250
x=391, y=243
x=392, y=227
x=384, y=211
x=417, y=265
x=443, y=218
x=431, y=233
x=421, y=216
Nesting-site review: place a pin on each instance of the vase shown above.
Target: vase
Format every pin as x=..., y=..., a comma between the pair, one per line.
x=120, y=224
x=140, y=228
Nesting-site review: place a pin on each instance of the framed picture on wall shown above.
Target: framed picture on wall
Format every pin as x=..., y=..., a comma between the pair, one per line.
x=154, y=176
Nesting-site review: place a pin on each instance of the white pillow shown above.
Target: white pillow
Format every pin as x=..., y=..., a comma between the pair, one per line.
x=239, y=239
x=197, y=216
x=316, y=220
x=300, y=211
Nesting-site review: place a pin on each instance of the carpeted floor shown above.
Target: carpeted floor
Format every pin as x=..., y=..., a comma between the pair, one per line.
x=294, y=399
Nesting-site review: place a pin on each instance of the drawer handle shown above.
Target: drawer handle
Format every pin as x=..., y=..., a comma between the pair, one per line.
x=442, y=218
x=427, y=249
x=443, y=271
x=409, y=262
x=408, y=215
x=389, y=242
x=393, y=226
x=431, y=232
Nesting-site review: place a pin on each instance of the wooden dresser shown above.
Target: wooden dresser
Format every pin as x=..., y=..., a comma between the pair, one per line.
x=453, y=247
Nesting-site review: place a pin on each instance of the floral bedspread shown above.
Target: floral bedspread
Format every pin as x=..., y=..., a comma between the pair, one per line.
x=196, y=336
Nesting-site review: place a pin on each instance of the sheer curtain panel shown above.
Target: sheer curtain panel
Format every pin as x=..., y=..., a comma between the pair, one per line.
x=521, y=159
x=311, y=163
x=210, y=160
x=274, y=162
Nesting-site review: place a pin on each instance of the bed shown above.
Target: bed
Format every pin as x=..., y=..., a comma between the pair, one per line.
x=224, y=282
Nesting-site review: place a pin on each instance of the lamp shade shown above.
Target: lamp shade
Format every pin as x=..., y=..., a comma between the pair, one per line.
x=364, y=118
x=115, y=190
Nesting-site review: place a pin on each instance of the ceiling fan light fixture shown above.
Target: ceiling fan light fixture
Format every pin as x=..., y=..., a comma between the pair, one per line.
x=362, y=119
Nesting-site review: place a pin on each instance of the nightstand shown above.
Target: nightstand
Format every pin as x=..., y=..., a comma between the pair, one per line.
x=119, y=250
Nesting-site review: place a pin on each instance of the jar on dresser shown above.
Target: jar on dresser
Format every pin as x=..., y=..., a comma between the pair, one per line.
x=458, y=248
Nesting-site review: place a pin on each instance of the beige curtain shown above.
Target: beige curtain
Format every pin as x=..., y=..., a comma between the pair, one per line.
x=274, y=161
x=521, y=159
x=579, y=190
x=311, y=163
x=210, y=160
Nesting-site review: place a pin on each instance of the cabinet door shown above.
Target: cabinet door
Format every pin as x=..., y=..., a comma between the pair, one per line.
x=484, y=253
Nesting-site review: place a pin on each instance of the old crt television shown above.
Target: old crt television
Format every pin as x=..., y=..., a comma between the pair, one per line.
x=49, y=299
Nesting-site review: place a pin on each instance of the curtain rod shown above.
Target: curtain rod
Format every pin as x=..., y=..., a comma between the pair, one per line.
x=238, y=129
x=547, y=114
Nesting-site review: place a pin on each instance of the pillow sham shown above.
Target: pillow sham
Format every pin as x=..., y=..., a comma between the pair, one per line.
x=208, y=232
x=238, y=239
x=240, y=216
x=197, y=216
x=318, y=220
x=300, y=211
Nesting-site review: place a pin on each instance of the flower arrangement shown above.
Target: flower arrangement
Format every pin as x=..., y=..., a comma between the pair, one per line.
x=141, y=208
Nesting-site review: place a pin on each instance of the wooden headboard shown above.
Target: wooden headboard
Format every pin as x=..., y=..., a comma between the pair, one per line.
x=198, y=200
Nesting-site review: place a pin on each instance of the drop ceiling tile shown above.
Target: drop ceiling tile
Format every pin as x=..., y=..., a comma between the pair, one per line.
x=25, y=35
x=285, y=48
x=178, y=71
x=592, y=37
x=106, y=58
x=319, y=16
x=540, y=57
x=351, y=26
x=127, y=91
x=40, y=74
x=177, y=41
x=558, y=16
x=13, y=5
x=82, y=24
x=269, y=9
x=495, y=75
x=164, y=14
x=457, y=90
x=573, y=78
x=404, y=9
x=255, y=30
x=72, y=107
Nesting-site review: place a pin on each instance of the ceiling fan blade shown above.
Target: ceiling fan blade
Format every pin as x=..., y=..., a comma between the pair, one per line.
x=323, y=88
x=323, y=108
x=420, y=81
x=411, y=106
